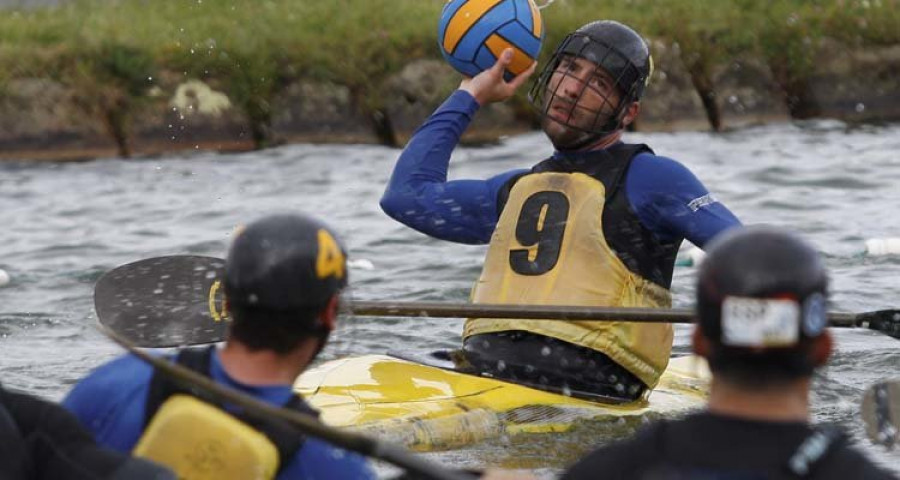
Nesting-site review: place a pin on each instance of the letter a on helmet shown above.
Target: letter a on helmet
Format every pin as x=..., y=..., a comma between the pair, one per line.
x=285, y=262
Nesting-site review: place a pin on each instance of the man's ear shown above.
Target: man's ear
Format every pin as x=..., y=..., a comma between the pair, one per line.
x=631, y=113
x=699, y=343
x=329, y=314
x=822, y=348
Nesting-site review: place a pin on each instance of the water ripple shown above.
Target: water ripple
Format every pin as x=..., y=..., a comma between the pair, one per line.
x=65, y=224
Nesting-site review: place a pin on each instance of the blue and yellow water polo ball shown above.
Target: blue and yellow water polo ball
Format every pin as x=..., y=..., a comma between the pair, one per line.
x=473, y=33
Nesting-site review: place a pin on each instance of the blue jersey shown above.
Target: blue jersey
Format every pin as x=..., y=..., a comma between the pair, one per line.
x=667, y=198
x=110, y=403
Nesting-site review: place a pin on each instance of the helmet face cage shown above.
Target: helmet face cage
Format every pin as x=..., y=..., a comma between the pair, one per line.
x=609, y=62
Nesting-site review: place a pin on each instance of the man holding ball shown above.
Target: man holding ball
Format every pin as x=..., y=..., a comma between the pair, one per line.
x=598, y=223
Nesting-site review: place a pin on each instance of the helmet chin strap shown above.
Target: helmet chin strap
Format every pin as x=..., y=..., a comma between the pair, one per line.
x=587, y=138
x=584, y=140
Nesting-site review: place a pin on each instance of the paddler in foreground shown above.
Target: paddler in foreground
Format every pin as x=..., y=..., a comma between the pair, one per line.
x=599, y=223
x=761, y=308
x=283, y=278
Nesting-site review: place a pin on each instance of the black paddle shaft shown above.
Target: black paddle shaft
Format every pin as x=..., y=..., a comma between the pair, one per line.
x=178, y=300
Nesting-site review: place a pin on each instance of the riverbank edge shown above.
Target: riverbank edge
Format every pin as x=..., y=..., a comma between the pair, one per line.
x=41, y=120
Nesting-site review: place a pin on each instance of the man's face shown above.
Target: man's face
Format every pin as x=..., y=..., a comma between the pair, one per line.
x=581, y=97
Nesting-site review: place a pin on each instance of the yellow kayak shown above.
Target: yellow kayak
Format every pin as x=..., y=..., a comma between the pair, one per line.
x=427, y=408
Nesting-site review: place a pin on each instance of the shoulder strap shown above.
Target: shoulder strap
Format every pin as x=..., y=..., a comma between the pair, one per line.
x=161, y=387
x=287, y=439
x=641, y=250
x=814, y=450
x=624, y=153
x=503, y=193
x=607, y=166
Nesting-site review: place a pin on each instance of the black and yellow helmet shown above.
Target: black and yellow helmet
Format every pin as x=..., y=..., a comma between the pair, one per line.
x=283, y=263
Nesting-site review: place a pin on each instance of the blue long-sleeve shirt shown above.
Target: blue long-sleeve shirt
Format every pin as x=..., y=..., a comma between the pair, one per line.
x=666, y=197
x=110, y=403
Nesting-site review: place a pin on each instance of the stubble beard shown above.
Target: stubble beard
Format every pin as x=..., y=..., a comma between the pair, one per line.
x=563, y=137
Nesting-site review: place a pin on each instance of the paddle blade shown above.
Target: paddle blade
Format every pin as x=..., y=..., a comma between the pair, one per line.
x=164, y=301
x=885, y=321
x=881, y=412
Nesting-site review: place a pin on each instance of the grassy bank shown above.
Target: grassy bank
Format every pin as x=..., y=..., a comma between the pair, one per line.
x=117, y=54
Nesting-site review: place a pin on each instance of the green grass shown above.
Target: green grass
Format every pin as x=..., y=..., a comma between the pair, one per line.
x=253, y=49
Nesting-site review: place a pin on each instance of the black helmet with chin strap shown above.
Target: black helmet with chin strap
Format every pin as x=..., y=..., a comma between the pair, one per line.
x=612, y=47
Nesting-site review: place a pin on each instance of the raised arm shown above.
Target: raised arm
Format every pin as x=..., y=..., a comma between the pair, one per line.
x=418, y=193
x=671, y=202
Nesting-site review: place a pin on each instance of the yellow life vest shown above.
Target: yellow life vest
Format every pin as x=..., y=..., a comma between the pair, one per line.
x=549, y=249
x=199, y=441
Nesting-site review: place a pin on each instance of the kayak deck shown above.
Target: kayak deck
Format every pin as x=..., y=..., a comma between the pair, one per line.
x=426, y=408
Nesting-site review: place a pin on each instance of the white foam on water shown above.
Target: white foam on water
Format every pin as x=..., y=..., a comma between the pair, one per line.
x=361, y=264
x=883, y=246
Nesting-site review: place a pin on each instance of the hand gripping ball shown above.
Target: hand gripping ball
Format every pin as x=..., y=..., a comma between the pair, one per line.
x=473, y=33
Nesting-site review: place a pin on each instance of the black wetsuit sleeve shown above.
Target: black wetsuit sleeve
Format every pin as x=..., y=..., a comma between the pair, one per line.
x=60, y=447
x=419, y=194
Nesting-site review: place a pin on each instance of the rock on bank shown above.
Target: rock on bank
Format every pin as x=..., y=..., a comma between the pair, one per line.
x=44, y=119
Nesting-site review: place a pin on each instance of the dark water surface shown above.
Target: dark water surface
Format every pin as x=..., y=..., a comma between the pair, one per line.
x=63, y=225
